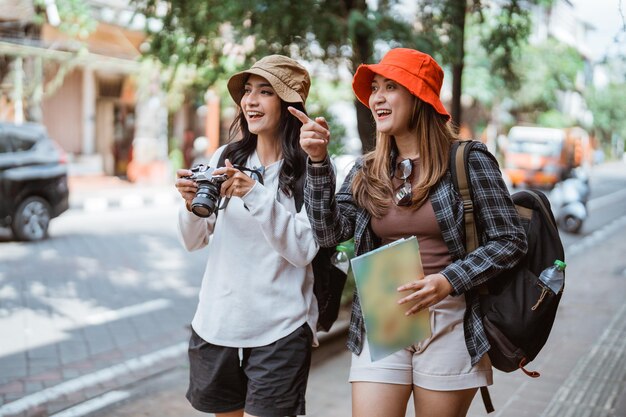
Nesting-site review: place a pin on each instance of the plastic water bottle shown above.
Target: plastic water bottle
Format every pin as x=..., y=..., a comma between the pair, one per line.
x=341, y=258
x=554, y=277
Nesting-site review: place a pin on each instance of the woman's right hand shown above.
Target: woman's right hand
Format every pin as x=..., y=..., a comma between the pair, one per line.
x=186, y=187
x=314, y=135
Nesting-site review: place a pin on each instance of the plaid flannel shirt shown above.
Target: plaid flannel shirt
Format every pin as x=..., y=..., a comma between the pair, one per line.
x=337, y=218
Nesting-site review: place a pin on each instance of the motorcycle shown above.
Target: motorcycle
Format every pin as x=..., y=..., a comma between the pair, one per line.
x=569, y=201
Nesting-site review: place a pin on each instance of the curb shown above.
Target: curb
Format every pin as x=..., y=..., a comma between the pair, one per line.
x=131, y=200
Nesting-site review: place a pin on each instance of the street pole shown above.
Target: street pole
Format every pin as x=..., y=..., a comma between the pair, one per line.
x=18, y=91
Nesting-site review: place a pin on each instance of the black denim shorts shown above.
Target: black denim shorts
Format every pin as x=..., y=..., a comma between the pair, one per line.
x=265, y=381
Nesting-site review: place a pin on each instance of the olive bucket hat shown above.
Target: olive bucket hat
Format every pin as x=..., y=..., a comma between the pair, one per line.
x=289, y=79
x=416, y=71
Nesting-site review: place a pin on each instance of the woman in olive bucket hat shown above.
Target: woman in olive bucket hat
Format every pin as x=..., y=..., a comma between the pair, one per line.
x=403, y=188
x=252, y=333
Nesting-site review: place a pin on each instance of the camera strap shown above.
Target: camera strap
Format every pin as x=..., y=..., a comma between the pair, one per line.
x=255, y=173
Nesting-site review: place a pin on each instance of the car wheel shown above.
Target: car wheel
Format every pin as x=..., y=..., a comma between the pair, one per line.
x=31, y=219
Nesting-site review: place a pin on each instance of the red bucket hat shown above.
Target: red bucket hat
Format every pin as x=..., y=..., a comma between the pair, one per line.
x=416, y=71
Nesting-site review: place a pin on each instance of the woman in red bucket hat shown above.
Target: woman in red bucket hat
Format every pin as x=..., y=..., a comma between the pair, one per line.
x=403, y=188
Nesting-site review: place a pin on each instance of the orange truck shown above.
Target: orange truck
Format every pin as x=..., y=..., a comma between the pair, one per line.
x=541, y=157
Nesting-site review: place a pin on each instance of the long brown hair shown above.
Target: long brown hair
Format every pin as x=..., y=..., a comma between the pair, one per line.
x=372, y=187
x=243, y=144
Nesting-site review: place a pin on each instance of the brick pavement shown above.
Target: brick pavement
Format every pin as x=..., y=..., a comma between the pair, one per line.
x=46, y=286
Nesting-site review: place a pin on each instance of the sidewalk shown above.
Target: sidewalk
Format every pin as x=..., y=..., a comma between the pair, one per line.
x=583, y=364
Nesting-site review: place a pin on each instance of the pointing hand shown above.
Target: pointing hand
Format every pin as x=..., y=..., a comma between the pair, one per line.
x=314, y=135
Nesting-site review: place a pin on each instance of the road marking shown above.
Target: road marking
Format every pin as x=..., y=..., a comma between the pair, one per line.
x=596, y=237
x=134, y=310
x=599, y=235
x=94, y=404
x=606, y=200
x=83, y=382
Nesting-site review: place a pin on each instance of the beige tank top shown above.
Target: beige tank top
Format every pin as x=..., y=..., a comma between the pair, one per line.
x=402, y=222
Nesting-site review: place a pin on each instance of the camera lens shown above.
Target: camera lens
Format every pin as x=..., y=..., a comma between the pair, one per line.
x=206, y=200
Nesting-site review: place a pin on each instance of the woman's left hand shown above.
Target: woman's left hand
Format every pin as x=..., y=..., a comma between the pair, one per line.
x=314, y=135
x=238, y=184
x=427, y=292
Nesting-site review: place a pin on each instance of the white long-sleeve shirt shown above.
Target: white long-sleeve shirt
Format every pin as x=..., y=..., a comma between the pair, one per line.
x=258, y=282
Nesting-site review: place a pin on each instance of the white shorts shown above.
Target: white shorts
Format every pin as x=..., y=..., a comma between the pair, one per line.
x=439, y=363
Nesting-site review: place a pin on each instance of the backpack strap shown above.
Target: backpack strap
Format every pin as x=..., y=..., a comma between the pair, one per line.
x=298, y=192
x=221, y=161
x=459, y=156
x=484, y=393
x=458, y=168
x=459, y=153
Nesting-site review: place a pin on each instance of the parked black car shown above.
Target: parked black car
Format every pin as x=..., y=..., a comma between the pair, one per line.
x=33, y=180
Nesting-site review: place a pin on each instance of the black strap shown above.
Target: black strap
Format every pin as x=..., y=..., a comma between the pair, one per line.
x=298, y=192
x=221, y=161
x=484, y=393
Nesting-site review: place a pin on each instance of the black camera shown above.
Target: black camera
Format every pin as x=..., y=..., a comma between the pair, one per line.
x=207, y=198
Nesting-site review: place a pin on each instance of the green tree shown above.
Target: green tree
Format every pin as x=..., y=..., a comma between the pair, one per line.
x=499, y=32
x=546, y=70
x=609, y=112
x=217, y=37
x=220, y=36
x=541, y=73
x=75, y=15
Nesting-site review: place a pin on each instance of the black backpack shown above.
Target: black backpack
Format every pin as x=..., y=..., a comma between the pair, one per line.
x=518, y=311
x=328, y=280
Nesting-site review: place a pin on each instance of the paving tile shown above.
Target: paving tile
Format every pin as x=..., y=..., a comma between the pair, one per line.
x=16, y=387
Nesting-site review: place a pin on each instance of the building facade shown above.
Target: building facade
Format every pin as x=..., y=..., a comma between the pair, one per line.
x=86, y=88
